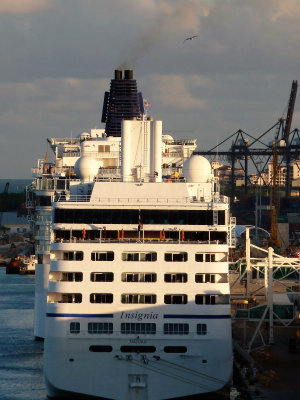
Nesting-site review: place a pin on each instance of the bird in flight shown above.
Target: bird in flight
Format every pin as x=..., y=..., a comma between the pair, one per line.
x=191, y=38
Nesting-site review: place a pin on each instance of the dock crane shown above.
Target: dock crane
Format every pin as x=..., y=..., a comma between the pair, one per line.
x=274, y=200
x=285, y=127
x=286, y=133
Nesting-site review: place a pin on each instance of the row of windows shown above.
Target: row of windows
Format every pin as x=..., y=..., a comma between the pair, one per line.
x=138, y=328
x=138, y=298
x=175, y=277
x=157, y=217
x=137, y=349
x=204, y=236
x=139, y=256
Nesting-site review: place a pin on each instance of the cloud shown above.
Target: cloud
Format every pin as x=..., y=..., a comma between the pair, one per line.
x=24, y=6
x=175, y=91
x=55, y=66
x=169, y=24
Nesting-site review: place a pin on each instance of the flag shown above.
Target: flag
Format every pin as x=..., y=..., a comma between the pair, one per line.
x=140, y=227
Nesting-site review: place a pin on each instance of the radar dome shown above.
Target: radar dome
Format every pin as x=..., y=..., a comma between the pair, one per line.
x=86, y=168
x=196, y=169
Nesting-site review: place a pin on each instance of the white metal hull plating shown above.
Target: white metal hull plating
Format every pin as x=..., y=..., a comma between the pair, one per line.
x=71, y=367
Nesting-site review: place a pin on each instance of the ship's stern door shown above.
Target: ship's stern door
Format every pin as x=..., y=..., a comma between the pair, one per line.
x=137, y=387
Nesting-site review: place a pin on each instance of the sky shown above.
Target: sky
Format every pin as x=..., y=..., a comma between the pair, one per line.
x=57, y=58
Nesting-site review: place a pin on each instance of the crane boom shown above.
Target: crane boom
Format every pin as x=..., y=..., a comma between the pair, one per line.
x=290, y=112
x=274, y=200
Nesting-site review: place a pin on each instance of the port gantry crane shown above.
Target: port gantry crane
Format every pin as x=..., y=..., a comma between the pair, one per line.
x=246, y=149
x=274, y=186
x=274, y=200
x=286, y=134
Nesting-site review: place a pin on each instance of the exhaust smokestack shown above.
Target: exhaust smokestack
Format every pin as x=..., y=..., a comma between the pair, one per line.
x=118, y=74
x=123, y=101
x=128, y=74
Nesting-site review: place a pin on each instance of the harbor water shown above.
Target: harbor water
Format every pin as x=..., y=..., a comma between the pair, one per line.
x=21, y=357
x=21, y=364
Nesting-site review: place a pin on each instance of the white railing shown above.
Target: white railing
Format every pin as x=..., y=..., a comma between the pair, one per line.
x=142, y=240
x=95, y=154
x=125, y=200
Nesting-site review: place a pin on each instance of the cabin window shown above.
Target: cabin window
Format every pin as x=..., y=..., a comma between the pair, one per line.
x=175, y=299
x=103, y=149
x=72, y=276
x=205, y=278
x=101, y=297
x=138, y=328
x=55, y=297
x=176, y=329
x=102, y=256
x=175, y=349
x=138, y=298
x=139, y=256
x=205, y=257
x=100, y=349
x=100, y=327
x=211, y=299
x=55, y=276
x=75, y=327
x=138, y=349
x=205, y=299
x=176, y=277
x=138, y=277
x=73, y=255
x=130, y=216
x=71, y=298
x=43, y=201
x=201, y=329
x=102, y=276
x=176, y=256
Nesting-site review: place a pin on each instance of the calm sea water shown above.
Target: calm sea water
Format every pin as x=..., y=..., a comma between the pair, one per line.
x=21, y=367
x=21, y=357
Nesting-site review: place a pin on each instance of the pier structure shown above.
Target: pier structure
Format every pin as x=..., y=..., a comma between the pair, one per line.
x=265, y=290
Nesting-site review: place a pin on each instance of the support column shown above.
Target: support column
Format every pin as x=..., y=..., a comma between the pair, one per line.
x=270, y=295
x=248, y=267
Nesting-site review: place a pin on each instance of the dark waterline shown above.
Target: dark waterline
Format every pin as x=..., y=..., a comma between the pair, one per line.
x=21, y=357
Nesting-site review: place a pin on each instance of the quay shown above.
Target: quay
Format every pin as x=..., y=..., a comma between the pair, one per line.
x=266, y=323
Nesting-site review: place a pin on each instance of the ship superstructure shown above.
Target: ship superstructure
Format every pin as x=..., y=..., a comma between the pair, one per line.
x=51, y=177
x=138, y=298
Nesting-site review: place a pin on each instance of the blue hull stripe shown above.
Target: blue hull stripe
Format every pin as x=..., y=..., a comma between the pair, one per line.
x=193, y=316
x=81, y=315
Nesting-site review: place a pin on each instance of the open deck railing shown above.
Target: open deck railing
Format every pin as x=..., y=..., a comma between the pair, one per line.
x=137, y=200
x=140, y=240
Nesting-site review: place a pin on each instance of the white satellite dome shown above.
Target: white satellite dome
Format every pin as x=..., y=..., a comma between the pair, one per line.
x=86, y=168
x=196, y=169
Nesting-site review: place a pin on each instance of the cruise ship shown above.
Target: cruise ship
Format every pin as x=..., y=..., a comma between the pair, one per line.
x=136, y=273
x=123, y=100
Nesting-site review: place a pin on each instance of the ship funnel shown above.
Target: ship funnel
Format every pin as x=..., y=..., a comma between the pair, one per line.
x=128, y=74
x=118, y=74
x=123, y=101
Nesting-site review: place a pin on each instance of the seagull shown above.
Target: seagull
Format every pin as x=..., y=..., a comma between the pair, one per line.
x=190, y=38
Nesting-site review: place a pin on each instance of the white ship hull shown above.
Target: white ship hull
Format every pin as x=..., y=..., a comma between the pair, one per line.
x=138, y=303
x=103, y=376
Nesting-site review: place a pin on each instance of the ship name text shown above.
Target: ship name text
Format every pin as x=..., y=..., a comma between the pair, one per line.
x=139, y=316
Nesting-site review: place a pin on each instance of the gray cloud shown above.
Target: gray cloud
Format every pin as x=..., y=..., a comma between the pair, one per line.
x=25, y=6
x=57, y=58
